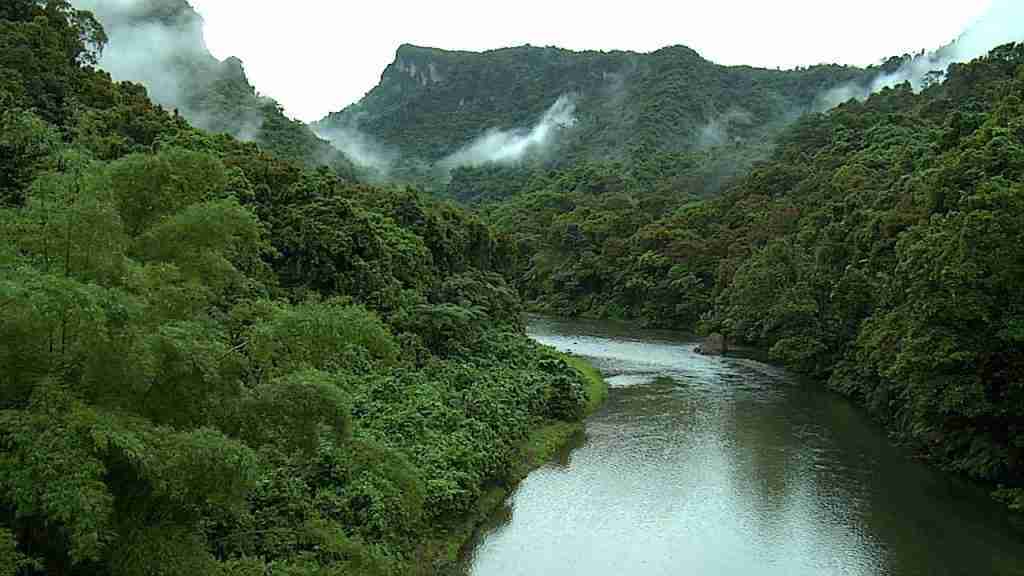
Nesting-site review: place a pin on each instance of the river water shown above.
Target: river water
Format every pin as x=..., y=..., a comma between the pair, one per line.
x=726, y=466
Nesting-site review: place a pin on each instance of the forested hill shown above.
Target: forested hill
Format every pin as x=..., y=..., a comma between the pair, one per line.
x=217, y=358
x=219, y=362
x=430, y=102
x=436, y=111
x=880, y=247
x=159, y=44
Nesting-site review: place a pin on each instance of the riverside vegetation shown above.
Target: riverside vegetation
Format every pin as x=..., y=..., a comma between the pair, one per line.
x=878, y=248
x=225, y=357
x=218, y=361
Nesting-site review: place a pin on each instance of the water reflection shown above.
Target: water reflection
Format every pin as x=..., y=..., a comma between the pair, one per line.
x=703, y=465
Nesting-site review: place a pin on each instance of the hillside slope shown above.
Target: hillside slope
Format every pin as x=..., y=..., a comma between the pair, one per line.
x=216, y=362
x=879, y=248
x=159, y=44
x=430, y=103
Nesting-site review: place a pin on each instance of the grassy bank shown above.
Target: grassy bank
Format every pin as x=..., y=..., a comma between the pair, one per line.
x=545, y=441
x=441, y=555
x=597, y=388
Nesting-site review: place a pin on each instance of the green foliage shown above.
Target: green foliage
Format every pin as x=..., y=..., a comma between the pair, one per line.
x=203, y=242
x=291, y=410
x=49, y=472
x=877, y=247
x=329, y=336
x=595, y=387
x=443, y=328
x=149, y=187
x=332, y=245
x=585, y=238
x=11, y=561
x=430, y=103
x=69, y=224
x=218, y=361
x=214, y=95
x=43, y=46
x=26, y=143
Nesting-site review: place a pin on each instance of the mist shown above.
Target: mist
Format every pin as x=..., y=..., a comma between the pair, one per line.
x=363, y=150
x=511, y=146
x=717, y=132
x=1003, y=23
x=168, y=55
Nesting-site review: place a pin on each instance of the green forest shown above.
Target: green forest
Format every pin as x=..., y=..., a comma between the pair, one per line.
x=431, y=102
x=220, y=361
x=240, y=358
x=877, y=248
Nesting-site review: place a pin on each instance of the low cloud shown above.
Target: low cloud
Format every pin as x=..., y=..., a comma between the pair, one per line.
x=1002, y=24
x=363, y=150
x=163, y=49
x=718, y=131
x=511, y=146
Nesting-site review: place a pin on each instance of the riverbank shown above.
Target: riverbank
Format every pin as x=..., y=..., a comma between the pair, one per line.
x=938, y=449
x=441, y=555
x=733, y=466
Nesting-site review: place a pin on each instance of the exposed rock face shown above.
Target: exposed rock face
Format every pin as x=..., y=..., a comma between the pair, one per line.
x=430, y=102
x=421, y=75
x=713, y=345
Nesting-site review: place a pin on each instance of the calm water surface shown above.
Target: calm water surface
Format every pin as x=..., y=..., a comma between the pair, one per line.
x=726, y=466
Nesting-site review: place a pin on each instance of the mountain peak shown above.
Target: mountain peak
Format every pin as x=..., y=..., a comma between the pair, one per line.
x=175, y=14
x=681, y=51
x=412, y=50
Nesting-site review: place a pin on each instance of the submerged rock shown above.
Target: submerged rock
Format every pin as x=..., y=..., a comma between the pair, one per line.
x=713, y=345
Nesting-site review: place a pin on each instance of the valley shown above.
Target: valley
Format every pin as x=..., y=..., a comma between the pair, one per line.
x=448, y=328
x=730, y=466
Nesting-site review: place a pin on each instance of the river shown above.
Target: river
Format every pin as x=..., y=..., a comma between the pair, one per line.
x=727, y=466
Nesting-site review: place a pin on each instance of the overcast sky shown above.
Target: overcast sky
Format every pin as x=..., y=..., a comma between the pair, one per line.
x=318, y=56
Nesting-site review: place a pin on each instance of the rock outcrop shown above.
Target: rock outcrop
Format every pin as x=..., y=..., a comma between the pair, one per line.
x=713, y=345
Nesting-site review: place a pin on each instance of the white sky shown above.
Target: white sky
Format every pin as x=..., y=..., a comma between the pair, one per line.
x=318, y=56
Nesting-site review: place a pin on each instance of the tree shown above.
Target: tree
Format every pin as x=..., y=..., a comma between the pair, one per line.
x=26, y=144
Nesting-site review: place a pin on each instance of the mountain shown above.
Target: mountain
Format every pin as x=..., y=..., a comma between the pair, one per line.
x=159, y=44
x=217, y=361
x=432, y=105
